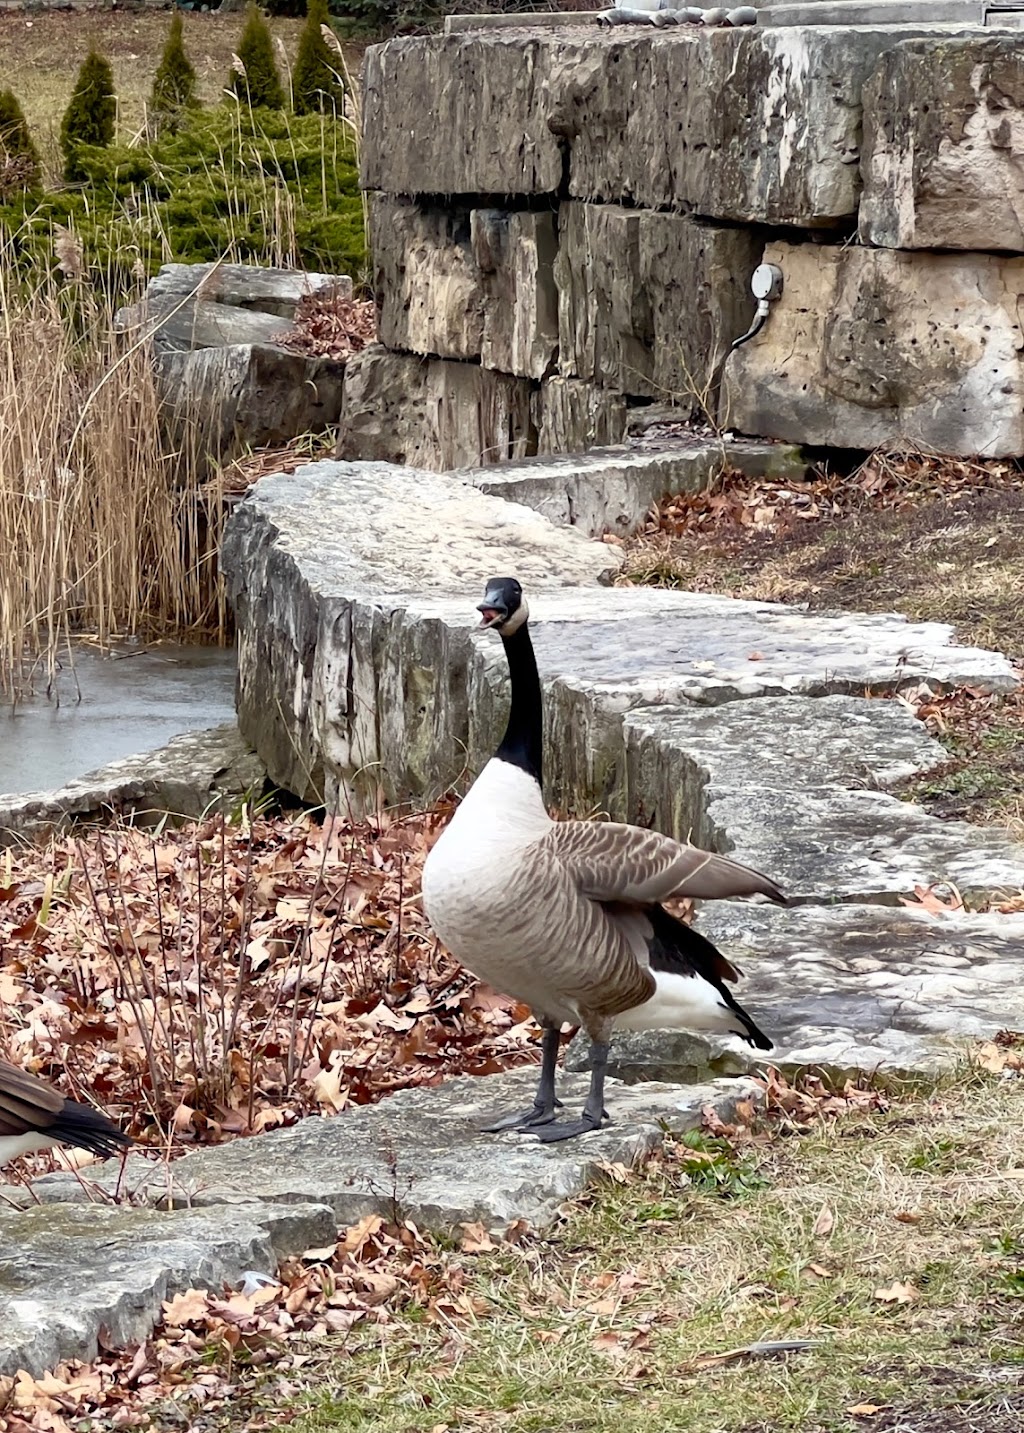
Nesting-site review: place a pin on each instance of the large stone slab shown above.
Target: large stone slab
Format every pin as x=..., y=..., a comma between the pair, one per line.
x=791, y=787
x=846, y=989
x=612, y=489
x=648, y=304
x=225, y=381
x=432, y=413
x=572, y=416
x=72, y=1273
x=420, y=1155
x=447, y=115
x=873, y=347
x=194, y=773
x=944, y=145
x=355, y=589
x=751, y=125
x=457, y=282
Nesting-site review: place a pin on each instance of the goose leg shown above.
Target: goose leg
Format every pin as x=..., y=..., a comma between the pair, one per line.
x=544, y=1105
x=594, y=1112
x=543, y=1108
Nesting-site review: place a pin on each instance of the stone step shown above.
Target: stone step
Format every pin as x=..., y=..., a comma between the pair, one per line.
x=612, y=489
x=355, y=588
x=420, y=1155
x=72, y=1275
x=790, y=786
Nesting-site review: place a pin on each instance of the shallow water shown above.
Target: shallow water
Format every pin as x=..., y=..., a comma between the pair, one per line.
x=113, y=705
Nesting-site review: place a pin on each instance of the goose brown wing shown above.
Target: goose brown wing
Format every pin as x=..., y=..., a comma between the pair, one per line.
x=26, y=1102
x=611, y=862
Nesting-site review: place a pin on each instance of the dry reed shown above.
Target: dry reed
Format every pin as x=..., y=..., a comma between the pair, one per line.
x=103, y=526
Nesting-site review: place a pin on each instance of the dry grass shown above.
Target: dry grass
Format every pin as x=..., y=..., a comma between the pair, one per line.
x=101, y=525
x=42, y=53
x=891, y=1237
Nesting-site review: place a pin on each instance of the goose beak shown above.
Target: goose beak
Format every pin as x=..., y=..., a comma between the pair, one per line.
x=493, y=609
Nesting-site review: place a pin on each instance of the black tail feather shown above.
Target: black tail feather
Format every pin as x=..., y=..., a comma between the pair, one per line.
x=678, y=948
x=85, y=1128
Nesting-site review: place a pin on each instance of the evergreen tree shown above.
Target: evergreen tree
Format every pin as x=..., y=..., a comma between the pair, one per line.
x=314, y=81
x=174, y=85
x=19, y=158
x=260, y=85
x=89, y=117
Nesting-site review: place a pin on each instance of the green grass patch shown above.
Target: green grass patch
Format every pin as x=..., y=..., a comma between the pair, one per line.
x=890, y=1240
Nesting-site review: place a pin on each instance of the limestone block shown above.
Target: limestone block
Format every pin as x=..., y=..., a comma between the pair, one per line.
x=649, y=303
x=355, y=585
x=459, y=283
x=875, y=346
x=944, y=146
x=612, y=489
x=572, y=416
x=460, y=114
x=225, y=400
x=749, y=125
x=85, y=1276
x=515, y=252
x=429, y=293
x=428, y=1143
x=792, y=788
x=247, y=286
x=432, y=413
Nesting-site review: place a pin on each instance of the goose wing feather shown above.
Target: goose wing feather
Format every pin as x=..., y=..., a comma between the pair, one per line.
x=26, y=1102
x=612, y=862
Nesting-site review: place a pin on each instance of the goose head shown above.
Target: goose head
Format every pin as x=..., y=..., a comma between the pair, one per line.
x=504, y=607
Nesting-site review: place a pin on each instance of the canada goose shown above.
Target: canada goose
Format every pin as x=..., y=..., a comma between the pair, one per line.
x=34, y=1115
x=566, y=916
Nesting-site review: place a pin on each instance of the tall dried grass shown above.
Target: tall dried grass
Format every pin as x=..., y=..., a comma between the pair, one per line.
x=103, y=526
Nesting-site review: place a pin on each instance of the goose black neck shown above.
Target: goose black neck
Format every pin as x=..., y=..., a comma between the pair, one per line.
x=523, y=742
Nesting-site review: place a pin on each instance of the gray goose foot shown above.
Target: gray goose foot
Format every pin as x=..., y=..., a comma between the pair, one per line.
x=594, y=1113
x=542, y=1111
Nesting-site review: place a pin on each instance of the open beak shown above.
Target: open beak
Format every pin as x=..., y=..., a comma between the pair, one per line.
x=493, y=609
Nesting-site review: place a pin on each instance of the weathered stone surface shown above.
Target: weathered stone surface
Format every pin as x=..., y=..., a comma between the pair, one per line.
x=846, y=989
x=192, y=773
x=791, y=787
x=612, y=489
x=68, y=1273
x=226, y=400
x=247, y=286
x=642, y=116
x=465, y=283
x=428, y=283
x=326, y=567
x=515, y=252
x=225, y=381
x=944, y=145
x=572, y=416
x=490, y=105
x=648, y=304
x=869, y=347
x=430, y=413
x=420, y=1152
x=859, y=845
x=355, y=606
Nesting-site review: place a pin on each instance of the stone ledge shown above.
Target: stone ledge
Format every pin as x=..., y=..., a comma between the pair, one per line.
x=612, y=489
x=74, y=1274
x=420, y=1153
